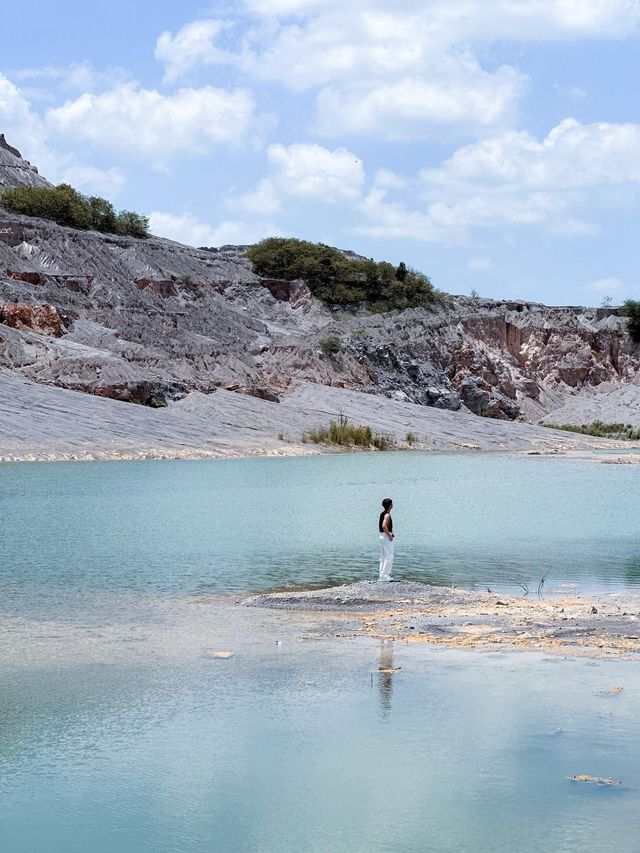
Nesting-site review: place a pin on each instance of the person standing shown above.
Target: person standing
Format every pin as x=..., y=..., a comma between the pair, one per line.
x=386, y=537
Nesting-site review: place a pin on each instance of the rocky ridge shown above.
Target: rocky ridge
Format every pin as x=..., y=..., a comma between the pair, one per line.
x=15, y=170
x=153, y=321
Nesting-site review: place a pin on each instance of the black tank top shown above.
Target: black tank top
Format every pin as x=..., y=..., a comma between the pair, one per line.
x=382, y=515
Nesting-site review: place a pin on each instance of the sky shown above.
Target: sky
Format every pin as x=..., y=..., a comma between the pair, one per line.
x=492, y=144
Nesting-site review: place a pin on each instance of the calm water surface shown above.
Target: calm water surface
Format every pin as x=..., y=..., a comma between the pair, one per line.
x=233, y=526
x=138, y=741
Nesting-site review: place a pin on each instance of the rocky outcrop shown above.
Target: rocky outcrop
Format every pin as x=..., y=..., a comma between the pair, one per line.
x=152, y=320
x=140, y=320
x=15, y=171
x=43, y=319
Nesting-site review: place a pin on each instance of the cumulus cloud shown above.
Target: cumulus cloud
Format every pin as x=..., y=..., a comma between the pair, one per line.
x=461, y=99
x=387, y=219
x=29, y=132
x=308, y=172
x=571, y=156
x=89, y=179
x=558, y=183
x=192, y=45
x=316, y=172
x=410, y=72
x=48, y=82
x=146, y=124
x=186, y=228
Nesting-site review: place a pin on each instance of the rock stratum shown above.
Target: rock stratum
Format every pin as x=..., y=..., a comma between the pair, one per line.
x=178, y=330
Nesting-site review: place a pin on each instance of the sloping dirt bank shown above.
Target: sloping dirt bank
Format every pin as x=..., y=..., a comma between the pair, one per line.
x=603, y=624
x=40, y=422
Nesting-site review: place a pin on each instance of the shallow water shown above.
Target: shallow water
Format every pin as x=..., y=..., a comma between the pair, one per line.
x=307, y=747
x=231, y=526
x=120, y=732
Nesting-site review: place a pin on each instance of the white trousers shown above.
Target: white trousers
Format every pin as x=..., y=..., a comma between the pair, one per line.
x=386, y=557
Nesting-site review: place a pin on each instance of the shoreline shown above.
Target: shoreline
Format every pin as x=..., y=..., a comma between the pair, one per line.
x=600, y=625
x=613, y=456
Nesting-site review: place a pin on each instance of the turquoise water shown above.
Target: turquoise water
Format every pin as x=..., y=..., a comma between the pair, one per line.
x=218, y=526
x=287, y=750
x=119, y=732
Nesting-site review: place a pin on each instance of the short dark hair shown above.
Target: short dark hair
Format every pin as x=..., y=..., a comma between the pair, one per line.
x=386, y=503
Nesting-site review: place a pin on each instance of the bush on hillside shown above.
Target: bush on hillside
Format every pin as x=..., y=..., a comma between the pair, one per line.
x=338, y=279
x=66, y=206
x=631, y=309
x=331, y=345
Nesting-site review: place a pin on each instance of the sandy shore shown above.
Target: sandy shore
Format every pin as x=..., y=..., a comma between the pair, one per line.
x=599, y=625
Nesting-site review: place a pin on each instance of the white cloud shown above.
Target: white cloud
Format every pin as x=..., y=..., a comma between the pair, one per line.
x=316, y=172
x=405, y=72
x=573, y=93
x=146, y=124
x=278, y=8
x=105, y=182
x=394, y=220
x=64, y=79
x=28, y=132
x=18, y=121
x=387, y=180
x=185, y=228
x=307, y=172
x=191, y=46
x=560, y=183
x=514, y=178
x=263, y=199
x=571, y=156
x=461, y=99
x=607, y=286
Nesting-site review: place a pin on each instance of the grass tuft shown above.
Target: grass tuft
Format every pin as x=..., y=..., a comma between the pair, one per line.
x=343, y=433
x=622, y=432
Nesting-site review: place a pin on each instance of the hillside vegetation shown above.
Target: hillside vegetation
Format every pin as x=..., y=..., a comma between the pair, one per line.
x=631, y=310
x=66, y=206
x=338, y=279
x=622, y=432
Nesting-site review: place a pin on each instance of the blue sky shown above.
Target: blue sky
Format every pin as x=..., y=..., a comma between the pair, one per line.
x=494, y=145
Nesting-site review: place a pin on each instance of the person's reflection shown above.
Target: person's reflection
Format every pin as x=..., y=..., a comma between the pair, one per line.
x=385, y=676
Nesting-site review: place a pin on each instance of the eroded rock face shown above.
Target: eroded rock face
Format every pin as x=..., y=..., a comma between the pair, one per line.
x=15, y=171
x=42, y=319
x=151, y=320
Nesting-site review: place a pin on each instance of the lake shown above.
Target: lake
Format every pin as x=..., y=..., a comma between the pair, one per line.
x=119, y=730
x=233, y=526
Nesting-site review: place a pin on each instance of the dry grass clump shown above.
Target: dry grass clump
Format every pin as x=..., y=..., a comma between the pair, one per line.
x=346, y=434
x=622, y=432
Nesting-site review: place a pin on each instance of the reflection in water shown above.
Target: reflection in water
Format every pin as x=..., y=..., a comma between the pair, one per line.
x=385, y=676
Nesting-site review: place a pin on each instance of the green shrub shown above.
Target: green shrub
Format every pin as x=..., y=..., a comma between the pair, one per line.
x=66, y=206
x=331, y=345
x=346, y=434
x=340, y=280
x=411, y=438
x=623, y=432
x=631, y=309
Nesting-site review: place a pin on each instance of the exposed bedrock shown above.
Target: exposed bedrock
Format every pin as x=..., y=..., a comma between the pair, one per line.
x=151, y=320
